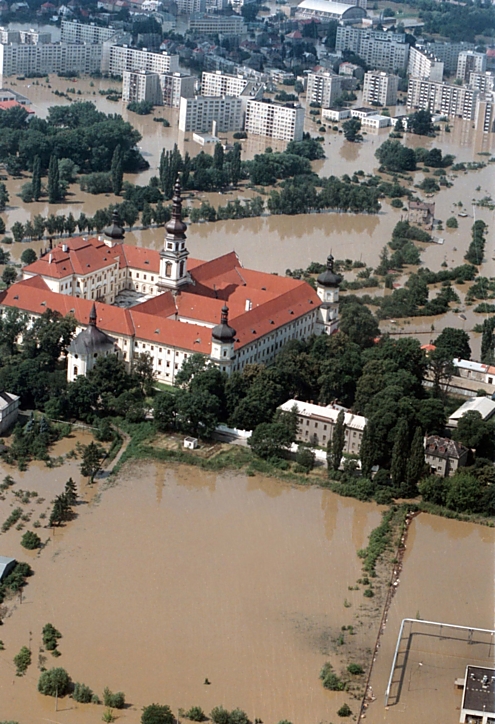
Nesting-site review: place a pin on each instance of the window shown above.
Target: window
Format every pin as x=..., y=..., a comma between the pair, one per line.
x=168, y=269
x=76, y=371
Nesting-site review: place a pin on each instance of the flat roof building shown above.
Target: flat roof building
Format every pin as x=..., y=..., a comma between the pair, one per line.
x=379, y=50
x=26, y=59
x=324, y=88
x=6, y=566
x=197, y=114
x=275, y=120
x=210, y=24
x=115, y=59
x=423, y=64
x=478, y=699
x=448, y=100
x=72, y=31
x=470, y=61
x=328, y=10
x=484, y=405
x=380, y=88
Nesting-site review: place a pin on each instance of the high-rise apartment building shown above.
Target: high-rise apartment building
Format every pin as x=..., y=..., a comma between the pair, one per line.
x=470, y=61
x=187, y=7
x=448, y=53
x=275, y=120
x=175, y=86
x=210, y=24
x=380, y=88
x=379, y=50
x=217, y=83
x=449, y=100
x=423, y=64
x=323, y=88
x=484, y=118
x=197, y=114
x=141, y=85
x=118, y=58
x=73, y=31
x=22, y=59
x=484, y=82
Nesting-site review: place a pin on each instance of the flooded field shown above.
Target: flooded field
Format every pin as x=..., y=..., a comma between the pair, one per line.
x=176, y=575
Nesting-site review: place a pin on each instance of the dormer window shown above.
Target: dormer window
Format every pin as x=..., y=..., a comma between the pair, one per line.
x=170, y=245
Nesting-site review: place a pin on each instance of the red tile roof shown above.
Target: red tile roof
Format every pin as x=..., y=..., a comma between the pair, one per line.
x=6, y=105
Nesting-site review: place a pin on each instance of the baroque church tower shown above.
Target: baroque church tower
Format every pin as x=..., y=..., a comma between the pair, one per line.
x=173, y=256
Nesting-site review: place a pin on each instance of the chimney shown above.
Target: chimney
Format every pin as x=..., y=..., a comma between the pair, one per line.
x=65, y=248
x=50, y=259
x=249, y=305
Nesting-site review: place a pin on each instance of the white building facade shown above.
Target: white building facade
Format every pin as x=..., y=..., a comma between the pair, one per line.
x=284, y=122
x=380, y=88
x=118, y=58
x=324, y=88
x=424, y=65
x=450, y=100
x=197, y=114
x=22, y=59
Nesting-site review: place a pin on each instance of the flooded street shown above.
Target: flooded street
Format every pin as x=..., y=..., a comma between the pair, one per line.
x=239, y=580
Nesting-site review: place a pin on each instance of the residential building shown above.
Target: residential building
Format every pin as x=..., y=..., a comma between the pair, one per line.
x=328, y=10
x=323, y=88
x=210, y=24
x=22, y=59
x=275, y=120
x=9, y=36
x=231, y=315
x=9, y=410
x=380, y=50
x=335, y=114
x=484, y=117
x=478, y=698
x=444, y=456
x=423, y=64
x=448, y=100
x=419, y=212
x=485, y=406
x=380, y=88
x=141, y=85
x=484, y=82
x=175, y=86
x=362, y=113
x=34, y=37
x=475, y=371
x=469, y=61
x=221, y=84
x=72, y=31
x=197, y=114
x=316, y=424
x=448, y=53
x=118, y=58
x=188, y=7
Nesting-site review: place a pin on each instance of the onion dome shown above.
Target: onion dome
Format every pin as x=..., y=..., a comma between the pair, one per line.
x=176, y=227
x=329, y=278
x=223, y=332
x=114, y=230
x=92, y=341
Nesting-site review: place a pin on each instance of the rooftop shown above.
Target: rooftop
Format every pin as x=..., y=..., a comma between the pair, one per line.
x=479, y=690
x=330, y=413
x=484, y=405
x=444, y=447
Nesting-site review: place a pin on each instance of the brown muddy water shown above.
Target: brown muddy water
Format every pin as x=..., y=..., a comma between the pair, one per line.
x=175, y=575
x=447, y=576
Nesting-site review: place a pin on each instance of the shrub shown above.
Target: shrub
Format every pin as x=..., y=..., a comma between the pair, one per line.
x=305, y=458
x=160, y=714
x=30, y=540
x=142, y=108
x=22, y=660
x=451, y=223
x=237, y=716
x=344, y=710
x=55, y=682
x=82, y=694
x=396, y=203
x=50, y=637
x=117, y=700
x=219, y=715
x=195, y=713
x=355, y=669
x=368, y=593
x=330, y=679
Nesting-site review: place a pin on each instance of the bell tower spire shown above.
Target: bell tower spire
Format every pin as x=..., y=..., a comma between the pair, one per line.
x=173, y=256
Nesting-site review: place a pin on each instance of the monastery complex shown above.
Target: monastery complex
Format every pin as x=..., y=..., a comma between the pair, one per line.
x=234, y=316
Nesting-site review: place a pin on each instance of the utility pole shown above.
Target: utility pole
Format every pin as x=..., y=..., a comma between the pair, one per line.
x=56, y=697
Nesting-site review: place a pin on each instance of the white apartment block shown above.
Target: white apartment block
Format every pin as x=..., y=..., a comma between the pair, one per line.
x=424, y=65
x=323, y=88
x=175, y=86
x=118, y=58
x=448, y=100
x=448, y=53
x=22, y=59
x=197, y=114
x=379, y=50
x=216, y=83
x=34, y=37
x=209, y=24
x=484, y=82
x=283, y=122
x=141, y=85
x=9, y=36
x=188, y=7
x=74, y=32
x=470, y=61
x=380, y=88
x=484, y=117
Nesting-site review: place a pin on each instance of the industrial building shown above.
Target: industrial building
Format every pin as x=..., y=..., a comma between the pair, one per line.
x=328, y=10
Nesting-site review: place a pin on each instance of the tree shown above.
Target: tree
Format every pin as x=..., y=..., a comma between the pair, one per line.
x=305, y=458
x=488, y=341
x=115, y=700
x=351, y=130
x=338, y=440
x=9, y=275
x=271, y=440
x=54, y=191
x=452, y=223
x=396, y=157
x=464, y=493
x=71, y=492
x=359, y=324
x=93, y=454
x=400, y=453
x=415, y=463
x=36, y=180
x=399, y=126
x=146, y=215
x=218, y=157
x=475, y=433
x=420, y=123
x=454, y=343
x=82, y=693
x=54, y=682
x=367, y=450
x=235, y=164
x=61, y=511
x=18, y=231
x=157, y=714
x=117, y=170
x=4, y=196
x=28, y=256
x=30, y=540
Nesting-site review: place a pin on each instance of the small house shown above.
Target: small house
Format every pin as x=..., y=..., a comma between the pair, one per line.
x=444, y=456
x=421, y=213
x=6, y=566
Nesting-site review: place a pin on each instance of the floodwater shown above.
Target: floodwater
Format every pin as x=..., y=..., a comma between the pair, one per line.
x=176, y=575
x=448, y=576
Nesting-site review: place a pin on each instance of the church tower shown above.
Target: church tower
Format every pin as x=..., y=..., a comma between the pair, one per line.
x=173, y=256
x=327, y=288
